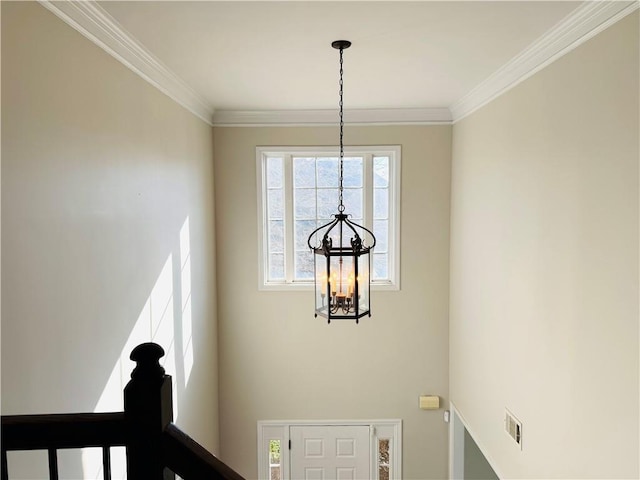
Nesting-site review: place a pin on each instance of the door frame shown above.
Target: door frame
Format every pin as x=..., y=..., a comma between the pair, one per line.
x=380, y=429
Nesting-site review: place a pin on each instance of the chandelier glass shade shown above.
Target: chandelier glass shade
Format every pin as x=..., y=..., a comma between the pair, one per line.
x=342, y=251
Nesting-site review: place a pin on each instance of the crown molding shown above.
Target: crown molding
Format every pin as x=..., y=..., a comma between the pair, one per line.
x=589, y=19
x=583, y=23
x=382, y=116
x=92, y=21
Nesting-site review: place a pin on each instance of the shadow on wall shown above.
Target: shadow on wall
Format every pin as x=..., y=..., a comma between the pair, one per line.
x=107, y=194
x=166, y=320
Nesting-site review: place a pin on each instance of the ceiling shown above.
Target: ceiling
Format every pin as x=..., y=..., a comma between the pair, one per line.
x=267, y=55
x=239, y=62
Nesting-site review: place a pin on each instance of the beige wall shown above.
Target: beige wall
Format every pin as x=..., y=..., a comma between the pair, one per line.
x=278, y=362
x=107, y=200
x=544, y=266
x=108, y=239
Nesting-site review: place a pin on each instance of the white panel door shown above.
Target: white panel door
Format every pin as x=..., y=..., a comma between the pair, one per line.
x=330, y=452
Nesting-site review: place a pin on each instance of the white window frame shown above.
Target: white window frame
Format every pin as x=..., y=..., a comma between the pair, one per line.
x=280, y=430
x=367, y=152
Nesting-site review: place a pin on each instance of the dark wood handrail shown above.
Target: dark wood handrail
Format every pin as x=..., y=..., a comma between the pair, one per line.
x=156, y=448
x=73, y=430
x=187, y=458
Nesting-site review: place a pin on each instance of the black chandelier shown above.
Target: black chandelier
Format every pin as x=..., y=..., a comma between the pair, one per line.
x=342, y=256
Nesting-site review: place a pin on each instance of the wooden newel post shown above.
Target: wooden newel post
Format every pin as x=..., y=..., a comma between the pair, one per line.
x=148, y=410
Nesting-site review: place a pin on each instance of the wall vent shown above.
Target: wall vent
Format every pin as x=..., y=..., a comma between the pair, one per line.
x=513, y=427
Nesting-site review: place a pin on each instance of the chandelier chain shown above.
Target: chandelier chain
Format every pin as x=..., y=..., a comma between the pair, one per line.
x=341, y=205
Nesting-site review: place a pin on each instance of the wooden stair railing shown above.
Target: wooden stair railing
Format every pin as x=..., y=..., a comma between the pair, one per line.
x=156, y=448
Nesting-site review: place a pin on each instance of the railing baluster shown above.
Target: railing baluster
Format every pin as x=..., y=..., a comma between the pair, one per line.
x=53, y=464
x=106, y=462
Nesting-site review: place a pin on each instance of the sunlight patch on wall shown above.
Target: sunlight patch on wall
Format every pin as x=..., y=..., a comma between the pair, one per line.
x=158, y=322
x=163, y=323
x=155, y=323
x=185, y=276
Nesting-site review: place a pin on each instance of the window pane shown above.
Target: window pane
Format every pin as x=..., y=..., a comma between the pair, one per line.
x=276, y=266
x=275, y=204
x=304, y=172
x=275, y=473
x=275, y=172
x=381, y=171
x=381, y=203
x=352, y=172
x=318, y=236
x=353, y=202
x=275, y=463
x=335, y=238
x=383, y=459
x=276, y=236
x=380, y=266
x=328, y=172
x=383, y=473
x=302, y=230
x=304, y=200
x=361, y=232
x=304, y=266
x=327, y=203
x=274, y=452
x=381, y=231
x=383, y=451
x=347, y=234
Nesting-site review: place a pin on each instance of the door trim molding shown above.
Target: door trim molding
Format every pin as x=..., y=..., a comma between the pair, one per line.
x=279, y=430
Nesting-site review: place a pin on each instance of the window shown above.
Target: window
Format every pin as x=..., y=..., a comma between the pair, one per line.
x=275, y=462
x=384, y=462
x=298, y=191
